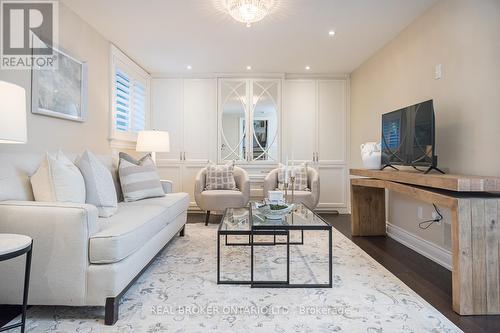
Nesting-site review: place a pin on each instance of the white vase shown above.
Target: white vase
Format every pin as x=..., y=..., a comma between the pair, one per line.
x=371, y=155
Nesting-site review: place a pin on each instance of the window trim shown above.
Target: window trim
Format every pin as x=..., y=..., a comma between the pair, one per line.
x=118, y=58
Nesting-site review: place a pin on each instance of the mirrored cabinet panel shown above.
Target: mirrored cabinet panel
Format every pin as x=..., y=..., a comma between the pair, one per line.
x=249, y=119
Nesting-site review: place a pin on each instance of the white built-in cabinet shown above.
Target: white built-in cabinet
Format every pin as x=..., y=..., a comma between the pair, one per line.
x=187, y=109
x=311, y=123
x=315, y=131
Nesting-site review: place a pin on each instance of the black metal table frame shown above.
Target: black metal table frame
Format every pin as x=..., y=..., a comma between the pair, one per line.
x=257, y=230
x=7, y=256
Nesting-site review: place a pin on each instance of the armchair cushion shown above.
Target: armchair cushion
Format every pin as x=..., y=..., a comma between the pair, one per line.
x=222, y=199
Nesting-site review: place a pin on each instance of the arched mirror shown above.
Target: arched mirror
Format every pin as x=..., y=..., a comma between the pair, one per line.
x=265, y=95
x=233, y=131
x=249, y=119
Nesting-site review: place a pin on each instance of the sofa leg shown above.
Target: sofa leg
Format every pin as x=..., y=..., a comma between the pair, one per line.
x=111, y=310
x=207, y=217
x=181, y=233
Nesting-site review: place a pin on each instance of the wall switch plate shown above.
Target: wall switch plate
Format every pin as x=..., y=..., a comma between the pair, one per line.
x=438, y=72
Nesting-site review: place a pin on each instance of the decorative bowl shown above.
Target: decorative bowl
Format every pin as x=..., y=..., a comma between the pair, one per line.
x=275, y=212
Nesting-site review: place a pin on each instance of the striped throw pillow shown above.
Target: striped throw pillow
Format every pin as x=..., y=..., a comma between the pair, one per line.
x=139, y=180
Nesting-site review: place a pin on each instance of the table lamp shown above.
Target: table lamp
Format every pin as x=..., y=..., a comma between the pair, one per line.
x=154, y=142
x=12, y=113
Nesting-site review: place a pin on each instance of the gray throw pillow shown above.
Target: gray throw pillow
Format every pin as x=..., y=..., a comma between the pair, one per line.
x=139, y=178
x=220, y=177
x=300, y=177
x=99, y=184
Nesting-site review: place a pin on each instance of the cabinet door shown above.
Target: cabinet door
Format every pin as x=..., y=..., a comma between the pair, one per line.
x=172, y=172
x=200, y=120
x=333, y=188
x=189, y=172
x=332, y=121
x=167, y=110
x=299, y=119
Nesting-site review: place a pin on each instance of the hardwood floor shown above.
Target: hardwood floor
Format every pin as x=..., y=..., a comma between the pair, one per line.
x=428, y=279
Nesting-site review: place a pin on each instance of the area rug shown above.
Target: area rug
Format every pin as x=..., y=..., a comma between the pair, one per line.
x=179, y=293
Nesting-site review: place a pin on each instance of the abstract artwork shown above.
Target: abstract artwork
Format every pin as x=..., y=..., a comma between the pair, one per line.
x=61, y=91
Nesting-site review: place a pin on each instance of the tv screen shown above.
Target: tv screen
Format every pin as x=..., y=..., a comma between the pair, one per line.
x=408, y=136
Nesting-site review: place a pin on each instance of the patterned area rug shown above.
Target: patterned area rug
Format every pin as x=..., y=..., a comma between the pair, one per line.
x=178, y=293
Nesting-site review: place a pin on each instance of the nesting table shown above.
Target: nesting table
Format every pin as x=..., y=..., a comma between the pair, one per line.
x=249, y=222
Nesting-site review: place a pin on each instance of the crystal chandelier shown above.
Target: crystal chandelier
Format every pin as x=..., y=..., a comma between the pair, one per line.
x=249, y=11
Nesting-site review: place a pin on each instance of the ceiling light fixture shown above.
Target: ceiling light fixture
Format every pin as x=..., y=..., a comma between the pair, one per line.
x=249, y=68
x=308, y=68
x=249, y=11
x=189, y=67
x=331, y=33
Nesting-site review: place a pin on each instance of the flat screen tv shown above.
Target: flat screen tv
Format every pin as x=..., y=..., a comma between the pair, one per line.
x=408, y=137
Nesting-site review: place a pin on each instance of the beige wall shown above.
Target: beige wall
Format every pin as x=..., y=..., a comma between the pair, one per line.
x=45, y=133
x=463, y=36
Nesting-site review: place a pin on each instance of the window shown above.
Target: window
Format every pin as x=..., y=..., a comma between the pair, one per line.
x=130, y=97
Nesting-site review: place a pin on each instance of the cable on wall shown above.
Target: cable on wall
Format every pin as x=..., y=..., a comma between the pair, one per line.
x=426, y=224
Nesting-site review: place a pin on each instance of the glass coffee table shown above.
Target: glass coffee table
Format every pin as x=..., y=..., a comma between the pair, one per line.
x=250, y=223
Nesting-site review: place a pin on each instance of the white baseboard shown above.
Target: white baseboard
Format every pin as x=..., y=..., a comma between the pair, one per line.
x=427, y=249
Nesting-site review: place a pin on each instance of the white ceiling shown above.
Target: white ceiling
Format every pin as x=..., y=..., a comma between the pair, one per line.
x=164, y=36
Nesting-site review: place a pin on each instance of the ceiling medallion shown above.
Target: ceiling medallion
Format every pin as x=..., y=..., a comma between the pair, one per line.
x=249, y=11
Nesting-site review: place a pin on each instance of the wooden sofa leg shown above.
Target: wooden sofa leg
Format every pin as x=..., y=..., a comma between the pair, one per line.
x=207, y=217
x=181, y=233
x=111, y=310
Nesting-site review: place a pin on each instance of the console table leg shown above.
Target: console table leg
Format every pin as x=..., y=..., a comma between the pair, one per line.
x=368, y=211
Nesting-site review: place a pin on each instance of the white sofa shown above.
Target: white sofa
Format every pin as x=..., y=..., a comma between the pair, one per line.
x=80, y=259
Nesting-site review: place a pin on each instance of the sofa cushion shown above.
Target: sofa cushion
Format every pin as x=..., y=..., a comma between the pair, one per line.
x=133, y=225
x=175, y=202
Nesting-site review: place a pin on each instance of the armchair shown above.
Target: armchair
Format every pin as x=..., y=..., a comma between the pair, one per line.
x=309, y=198
x=219, y=200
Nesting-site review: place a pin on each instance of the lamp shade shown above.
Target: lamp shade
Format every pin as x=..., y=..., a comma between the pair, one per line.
x=12, y=113
x=153, y=141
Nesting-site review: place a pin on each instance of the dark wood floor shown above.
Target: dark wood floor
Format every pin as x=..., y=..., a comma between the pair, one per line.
x=428, y=279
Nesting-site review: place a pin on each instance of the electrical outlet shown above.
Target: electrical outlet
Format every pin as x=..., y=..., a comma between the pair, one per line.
x=420, y=212
x=435, y=216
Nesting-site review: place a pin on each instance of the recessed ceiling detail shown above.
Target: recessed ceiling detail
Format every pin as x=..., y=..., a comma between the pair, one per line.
x=249, y=11
x=169, y=35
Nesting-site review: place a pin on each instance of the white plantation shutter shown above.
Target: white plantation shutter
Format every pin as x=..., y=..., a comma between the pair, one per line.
x=139, y=120
x=130, y=97
x=123, y=96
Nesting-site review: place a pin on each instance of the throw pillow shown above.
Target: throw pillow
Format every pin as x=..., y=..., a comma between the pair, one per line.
x=220, y=177
x=99, y=184
x=58, y=179
x=130, y=159
x=300, y=177
x=139, y=180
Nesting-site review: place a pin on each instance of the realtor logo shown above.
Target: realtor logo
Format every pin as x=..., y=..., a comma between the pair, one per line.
x=29, y=30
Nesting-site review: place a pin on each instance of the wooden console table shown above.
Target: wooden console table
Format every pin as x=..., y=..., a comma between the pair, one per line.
x=475, y=232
